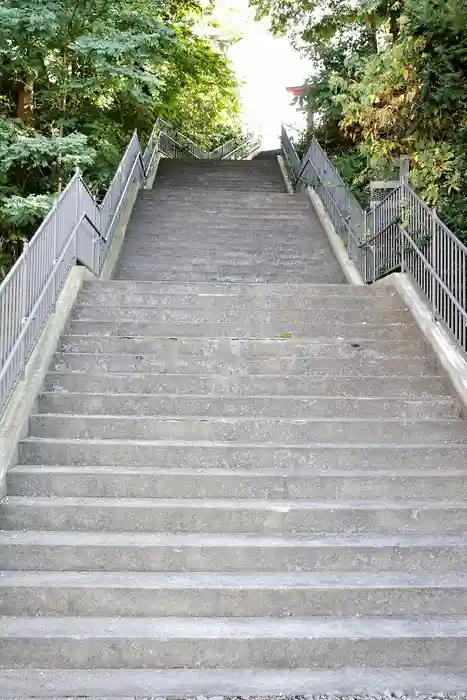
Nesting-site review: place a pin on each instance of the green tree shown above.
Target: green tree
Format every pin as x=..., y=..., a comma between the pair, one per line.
x=77, y=76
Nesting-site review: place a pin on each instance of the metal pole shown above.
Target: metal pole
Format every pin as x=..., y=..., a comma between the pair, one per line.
x=55, y=256
x=434, y=246
x=23, y=291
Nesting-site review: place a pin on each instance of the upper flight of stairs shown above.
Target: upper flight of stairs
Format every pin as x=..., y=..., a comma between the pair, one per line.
x=237, y=462
x=227, y=221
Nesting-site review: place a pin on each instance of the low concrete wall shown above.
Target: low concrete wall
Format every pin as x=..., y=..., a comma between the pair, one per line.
x=450, y=356
x=285, y=175
x=352, y=275
x=113, y=253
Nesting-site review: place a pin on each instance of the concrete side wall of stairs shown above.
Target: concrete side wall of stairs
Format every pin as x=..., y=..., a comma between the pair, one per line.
x=241, y=470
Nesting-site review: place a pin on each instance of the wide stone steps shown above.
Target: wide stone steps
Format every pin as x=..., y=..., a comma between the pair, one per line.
x=174, y=328
x=265, y=642
x=211, y=595
x=242, y=176
x=370, y=386
x=245, y=234
x=249, y=429
x=237, y=455
x=127, y=363
x=231, y=477
x=215, y=483
x=201, y=195
x=235, y=349
x=128, y=404
x=150, y=272
x=119, y=298
x=234, y=516
x=259, y=291
x=180, y=683
x=292, y=318
x=42, y=550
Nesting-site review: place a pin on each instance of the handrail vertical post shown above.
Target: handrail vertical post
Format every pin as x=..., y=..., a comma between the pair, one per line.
x=24, y=304
x=434, y=256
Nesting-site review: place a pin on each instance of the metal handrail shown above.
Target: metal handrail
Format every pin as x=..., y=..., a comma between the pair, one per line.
x=76, y=229
x=249, y=146
x=400, y=233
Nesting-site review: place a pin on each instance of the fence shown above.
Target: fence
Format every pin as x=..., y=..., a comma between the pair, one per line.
x=174, y=144
x=77, y=229
x=399, y=233
x=248, y=146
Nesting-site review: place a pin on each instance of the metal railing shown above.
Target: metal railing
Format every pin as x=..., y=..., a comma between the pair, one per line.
x=222, y=151
x=76, y=229
x=177, y=145
x=400, y=233
x=244, y=149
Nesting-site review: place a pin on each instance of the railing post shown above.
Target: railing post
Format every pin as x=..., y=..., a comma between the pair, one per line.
x=399, y=227
x=55, y=256
x=373, y=255
x=23, y=291
x=434, y=251
x=78, y=210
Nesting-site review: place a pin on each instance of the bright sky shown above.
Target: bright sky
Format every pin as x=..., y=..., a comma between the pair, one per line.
x=268, y=65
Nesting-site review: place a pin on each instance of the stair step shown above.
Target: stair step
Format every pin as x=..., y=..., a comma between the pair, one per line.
x=253, y=349
x=248, y=429
x=196, y=195
x=402, y=386
x=210, y=595
x=220, y=260
x=289, y=318
x=149, y=274
x=191, y=683
x=116, y=642
x=273, y=301
x=237, y=455
x=229, y=185
x=152, y=482
x=233, y=516
x=167, y=269
x=246, y=329
x=331, y=366
x=113, y=287
x=285, y=406
x=225, y=206
x=228, y=250
x=43, y=550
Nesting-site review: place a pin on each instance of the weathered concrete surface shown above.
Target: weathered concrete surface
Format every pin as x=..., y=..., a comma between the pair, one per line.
x=235, y=486
x=197, y=684
x=352, y=274
x=449, y=355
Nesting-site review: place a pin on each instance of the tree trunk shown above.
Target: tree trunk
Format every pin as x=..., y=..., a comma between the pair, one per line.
x=25, y=109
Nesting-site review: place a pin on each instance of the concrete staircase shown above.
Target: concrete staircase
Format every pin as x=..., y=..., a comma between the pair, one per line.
x=237, y=462
x=227, y=221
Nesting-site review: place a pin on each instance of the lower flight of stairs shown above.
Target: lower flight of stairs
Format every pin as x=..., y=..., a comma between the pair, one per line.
x=189, y=499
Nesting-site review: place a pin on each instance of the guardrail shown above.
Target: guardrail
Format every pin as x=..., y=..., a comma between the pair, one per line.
x=400, y=233
x=76, y=229
x=244, y=149
x=177, y=145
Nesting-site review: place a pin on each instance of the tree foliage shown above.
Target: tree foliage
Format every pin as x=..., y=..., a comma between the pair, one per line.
x=77, y=76
x=391, y=79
